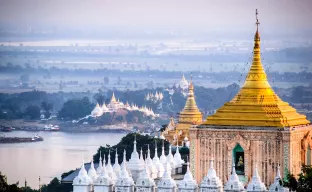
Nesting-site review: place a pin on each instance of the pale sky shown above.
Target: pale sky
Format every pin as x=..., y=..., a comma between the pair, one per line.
x=287, y=15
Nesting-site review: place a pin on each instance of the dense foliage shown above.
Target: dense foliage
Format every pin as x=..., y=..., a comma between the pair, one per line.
x=304, y=181
x=76, y=108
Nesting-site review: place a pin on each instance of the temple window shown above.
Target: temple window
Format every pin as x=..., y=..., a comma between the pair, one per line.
x=238, y=155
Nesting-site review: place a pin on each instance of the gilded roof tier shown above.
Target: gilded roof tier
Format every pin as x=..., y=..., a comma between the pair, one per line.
x=256, y=104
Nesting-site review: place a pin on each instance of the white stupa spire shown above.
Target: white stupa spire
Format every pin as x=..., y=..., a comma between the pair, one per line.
x=170, y=158
x=82, y=178
x=166, y=183
x=135, y=165
x=233, y=184
x=92, y=172
x=149, y=162
x=103, y=179
x=116, y=166
x=255, y=183
x=100, y=167
x=188, y=181
x=123, y=178
x=277, y=186
x=158, y=165
x=163, y=158
x=211, y=181
x=177, y=158
x=110, y=169
x=145, y=182
x=141, y=156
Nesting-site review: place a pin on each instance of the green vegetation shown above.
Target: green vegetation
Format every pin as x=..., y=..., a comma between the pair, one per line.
x=74, y=109
x=304, y=181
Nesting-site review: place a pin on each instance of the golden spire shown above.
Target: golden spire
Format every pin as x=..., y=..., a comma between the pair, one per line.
x=256, y=104
x=113, y=99
x=190, y=113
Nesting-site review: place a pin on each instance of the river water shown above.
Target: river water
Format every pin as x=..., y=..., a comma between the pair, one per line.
x=58, y=153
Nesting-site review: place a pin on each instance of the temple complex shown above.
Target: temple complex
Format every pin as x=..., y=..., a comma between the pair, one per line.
x=178, y=133
x=115, y=105
x=256, y=129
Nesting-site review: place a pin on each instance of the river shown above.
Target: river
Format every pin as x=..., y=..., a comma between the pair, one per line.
x=58, y=153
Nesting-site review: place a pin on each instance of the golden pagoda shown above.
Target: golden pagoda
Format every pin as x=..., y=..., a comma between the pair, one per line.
x=189, y=116
x=255, y=129
x=256, y=104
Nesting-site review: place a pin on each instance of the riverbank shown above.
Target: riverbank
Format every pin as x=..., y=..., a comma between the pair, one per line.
x=39, y=125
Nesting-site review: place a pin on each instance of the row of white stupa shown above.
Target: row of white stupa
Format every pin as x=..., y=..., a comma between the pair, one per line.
x=115, y=105
x=140, y=174
x=154, y=97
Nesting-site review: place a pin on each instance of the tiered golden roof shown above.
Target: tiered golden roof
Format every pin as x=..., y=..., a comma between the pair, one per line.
x=190, y=115
x=256, y=104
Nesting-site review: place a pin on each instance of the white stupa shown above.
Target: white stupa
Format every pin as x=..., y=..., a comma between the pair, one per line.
x=82, y=183
x=234, y=184
x=100, y=167
x=135, y=165
x=159, y=166
x=97, y=111
x=163, y=158
x=188, y=184
x=170, y=158
x=255, y=183
x=116, y=166
x=141, y=157
x=92, y=172
x=124, y=182
x=276, y=186
x=177, y=158
x=211, y=182
x=104, y=108
x=166, y=183
x=145, y=182
x=103, y=181
x=110, y=169
x=149, y=162
x=183, y=84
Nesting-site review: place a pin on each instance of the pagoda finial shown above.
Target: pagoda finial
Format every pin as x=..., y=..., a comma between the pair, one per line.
x=257, y=21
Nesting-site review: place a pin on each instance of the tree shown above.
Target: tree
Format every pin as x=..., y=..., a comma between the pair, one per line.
x=75, y=108
x=304, y=182
x=32, y=112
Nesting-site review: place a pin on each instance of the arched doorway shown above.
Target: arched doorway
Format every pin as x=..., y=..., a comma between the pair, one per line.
x=238, y=156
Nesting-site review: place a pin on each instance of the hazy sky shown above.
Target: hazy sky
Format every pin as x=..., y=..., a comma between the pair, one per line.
x=286, y=15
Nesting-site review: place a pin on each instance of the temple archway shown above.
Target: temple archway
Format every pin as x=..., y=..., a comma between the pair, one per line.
x=238, y=156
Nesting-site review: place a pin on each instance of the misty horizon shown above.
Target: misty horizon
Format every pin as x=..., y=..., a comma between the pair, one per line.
x=100, y=18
